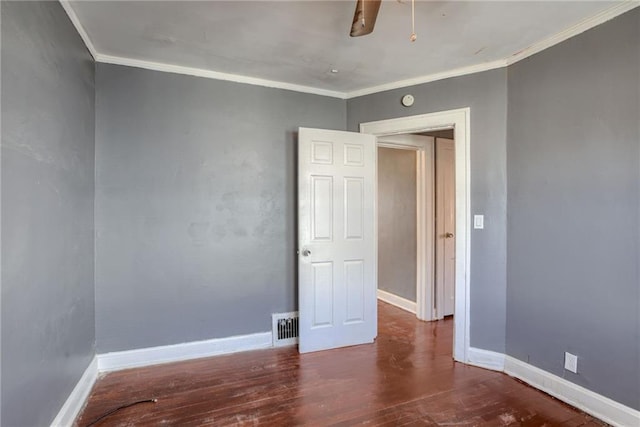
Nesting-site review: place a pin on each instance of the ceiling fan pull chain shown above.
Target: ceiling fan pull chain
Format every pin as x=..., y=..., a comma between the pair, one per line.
x=413, y=21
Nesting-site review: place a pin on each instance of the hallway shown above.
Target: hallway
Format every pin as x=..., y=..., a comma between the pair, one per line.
x=406, y=378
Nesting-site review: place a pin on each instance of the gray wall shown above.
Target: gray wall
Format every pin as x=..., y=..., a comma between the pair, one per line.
x=573, y=229
x=47, y=211
x=397, y=222
x=486, y=94
x=195, y=205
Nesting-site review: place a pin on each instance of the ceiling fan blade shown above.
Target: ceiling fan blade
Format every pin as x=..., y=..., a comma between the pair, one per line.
x=371, y=8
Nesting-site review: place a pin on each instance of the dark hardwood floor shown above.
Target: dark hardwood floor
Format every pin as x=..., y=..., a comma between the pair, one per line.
x=406, y=378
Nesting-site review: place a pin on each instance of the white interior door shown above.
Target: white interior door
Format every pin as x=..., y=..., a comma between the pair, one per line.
x=445, y=227
x=337, y=242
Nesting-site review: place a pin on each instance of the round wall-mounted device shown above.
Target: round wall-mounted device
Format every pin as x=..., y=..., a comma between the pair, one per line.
x=407, y=100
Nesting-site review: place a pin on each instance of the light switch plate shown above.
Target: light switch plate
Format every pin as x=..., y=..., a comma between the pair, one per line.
x=571, y=362
x=478, y=221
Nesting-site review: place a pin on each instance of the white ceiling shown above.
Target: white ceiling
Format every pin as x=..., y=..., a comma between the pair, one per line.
x=299, y=42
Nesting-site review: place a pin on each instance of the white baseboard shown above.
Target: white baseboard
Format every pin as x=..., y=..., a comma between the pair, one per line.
x=399, y=302
x=76, y=400
x=593, y=403
x=485, y=359
x=173, y=353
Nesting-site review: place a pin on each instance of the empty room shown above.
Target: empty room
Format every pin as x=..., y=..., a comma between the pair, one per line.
x=319, y=213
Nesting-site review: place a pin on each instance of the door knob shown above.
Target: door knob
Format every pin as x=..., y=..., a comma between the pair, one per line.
x=448, y=235
x=306, y=252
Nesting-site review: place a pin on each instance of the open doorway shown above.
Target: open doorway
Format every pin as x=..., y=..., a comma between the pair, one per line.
x=403, y=179
x=397, y=227
x=459, y=121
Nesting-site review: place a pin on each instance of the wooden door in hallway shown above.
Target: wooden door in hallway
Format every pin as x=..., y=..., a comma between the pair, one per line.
x=445, y=227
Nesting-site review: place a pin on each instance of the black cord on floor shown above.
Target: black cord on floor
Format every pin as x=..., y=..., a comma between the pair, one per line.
x=103, y=416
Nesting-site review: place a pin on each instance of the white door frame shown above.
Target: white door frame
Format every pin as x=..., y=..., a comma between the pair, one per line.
x=425, y=193
x=459, y=121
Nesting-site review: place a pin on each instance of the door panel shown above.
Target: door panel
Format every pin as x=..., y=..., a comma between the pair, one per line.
x=322, y=294
x=337, y=242
x=445, y=225
x=353, y=208
x=354, y=282
x=322, y=208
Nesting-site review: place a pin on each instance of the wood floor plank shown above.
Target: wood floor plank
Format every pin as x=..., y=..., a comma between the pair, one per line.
x=406, y=378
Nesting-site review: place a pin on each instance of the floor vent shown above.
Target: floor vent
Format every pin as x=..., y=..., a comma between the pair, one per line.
x=285, y=329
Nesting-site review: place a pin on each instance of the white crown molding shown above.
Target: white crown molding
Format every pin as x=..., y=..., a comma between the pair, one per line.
x=118, y=360
x=478, y=68
x=581, y=27
x=572, y=31
x=76, y=400
x=79, y=28
x=199, y=72
x=397, y=301
x=602, y=407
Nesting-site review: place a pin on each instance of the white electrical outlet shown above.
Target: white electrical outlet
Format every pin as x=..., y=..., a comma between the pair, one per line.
x=571, y=362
